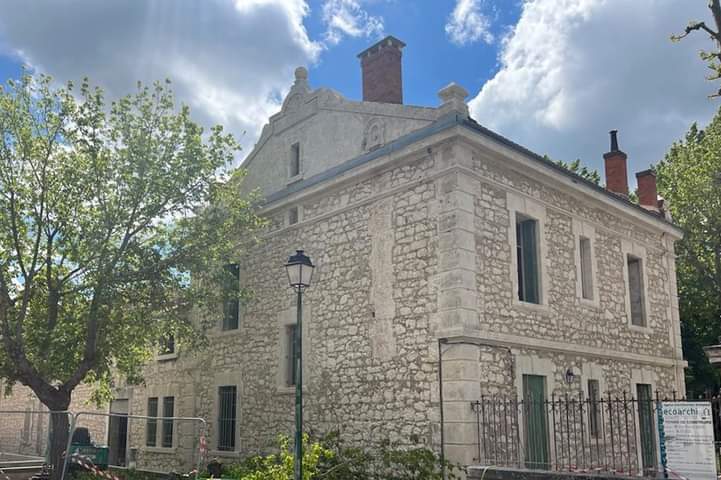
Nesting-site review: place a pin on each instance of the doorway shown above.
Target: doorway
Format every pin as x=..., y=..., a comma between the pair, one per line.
x=535, y=421
x=646, y=428
x=118, y=433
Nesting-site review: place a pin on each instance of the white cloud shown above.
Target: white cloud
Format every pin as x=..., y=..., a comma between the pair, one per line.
x=231, y=61
x=468, y=24
x=347, y=17
x=573, y=69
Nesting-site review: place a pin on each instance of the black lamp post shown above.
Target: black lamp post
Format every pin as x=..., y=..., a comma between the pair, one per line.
x=300, y=272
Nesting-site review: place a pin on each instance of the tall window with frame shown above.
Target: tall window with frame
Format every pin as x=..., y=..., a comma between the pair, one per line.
x=227, y=411
x=594, y=398
x=635, y=290
x=584, y=248
x=527, y=253
x=167, y=430
x=151, y=424
x=290, y=373
x=294, y=168
x=231, y=309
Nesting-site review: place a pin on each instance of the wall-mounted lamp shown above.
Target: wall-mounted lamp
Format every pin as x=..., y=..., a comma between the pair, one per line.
x=570, y=375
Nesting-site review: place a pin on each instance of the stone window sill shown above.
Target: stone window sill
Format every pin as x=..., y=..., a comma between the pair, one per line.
x=285, y=390
x=586, y=302
x=640, y=329
x=167, y=356
x=224, y=453
x=163, y=450
x=532, y=307
x=294, y=179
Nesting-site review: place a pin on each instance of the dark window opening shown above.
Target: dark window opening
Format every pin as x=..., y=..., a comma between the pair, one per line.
x=635, y=289
x=527, y=259
x=586, y=268
x=295, y=160
x=291, y=332
x=167, y=432
x=594, y=397
x=231, y=309
x=227, y=398
x=151, y=424
x=293, y=216
x=167, y=345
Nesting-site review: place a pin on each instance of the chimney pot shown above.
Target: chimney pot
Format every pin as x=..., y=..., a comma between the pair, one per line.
x=615, y=166
x=647, y=192
x=381, y=70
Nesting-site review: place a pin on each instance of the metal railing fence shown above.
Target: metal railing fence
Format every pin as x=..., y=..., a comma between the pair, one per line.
x=573, y=433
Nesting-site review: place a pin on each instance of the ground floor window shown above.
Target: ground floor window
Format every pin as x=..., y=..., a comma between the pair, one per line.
x=227, y=411
x=151, y=425
x=168, y=411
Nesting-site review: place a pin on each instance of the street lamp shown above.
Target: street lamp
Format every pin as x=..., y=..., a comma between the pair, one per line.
x=300, y=272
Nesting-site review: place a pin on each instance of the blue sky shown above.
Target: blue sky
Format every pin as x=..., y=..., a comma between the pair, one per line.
x=552, y=75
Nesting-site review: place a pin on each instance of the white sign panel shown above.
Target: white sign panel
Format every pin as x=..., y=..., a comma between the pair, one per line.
x=687, y=434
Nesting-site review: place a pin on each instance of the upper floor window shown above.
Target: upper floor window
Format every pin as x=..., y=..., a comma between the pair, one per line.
x=635, y=291
x=231, y=309
x=586, y=268
x=167, y=345
x=290, y=373
x=527, y=259
x=294, y=160
x=292, y=215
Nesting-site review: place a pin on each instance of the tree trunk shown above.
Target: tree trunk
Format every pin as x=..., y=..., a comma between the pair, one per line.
x=59, y=430
x=57, y=402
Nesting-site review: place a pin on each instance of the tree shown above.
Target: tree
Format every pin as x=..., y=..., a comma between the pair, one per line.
x=105, y=212
x=689, y=179
x=578, y=168
x=713, y=58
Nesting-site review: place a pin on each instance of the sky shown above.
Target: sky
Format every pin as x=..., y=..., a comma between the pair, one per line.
x=552, y=75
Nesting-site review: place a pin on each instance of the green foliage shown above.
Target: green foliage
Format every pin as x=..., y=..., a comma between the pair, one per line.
x=329, y=459
x=689, y=179
x=106, y=211
x=579, y=169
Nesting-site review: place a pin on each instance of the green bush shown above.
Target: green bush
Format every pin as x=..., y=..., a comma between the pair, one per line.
x=329, y=459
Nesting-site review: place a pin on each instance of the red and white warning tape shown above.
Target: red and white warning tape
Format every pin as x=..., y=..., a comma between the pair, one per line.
x=88, y=464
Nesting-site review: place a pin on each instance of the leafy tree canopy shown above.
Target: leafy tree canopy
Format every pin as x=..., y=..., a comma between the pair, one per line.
x=579, y=169
x=689, y=178
x=106, y=211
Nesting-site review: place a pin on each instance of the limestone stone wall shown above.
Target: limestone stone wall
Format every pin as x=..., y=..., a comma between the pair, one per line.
x=24, y=420
x=418, y=248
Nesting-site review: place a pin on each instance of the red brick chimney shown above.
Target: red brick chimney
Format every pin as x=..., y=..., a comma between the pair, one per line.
x=381, y=66
x=616, y=175
x=647, y=194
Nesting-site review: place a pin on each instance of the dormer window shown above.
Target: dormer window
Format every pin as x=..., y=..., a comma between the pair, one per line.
x=294, y=169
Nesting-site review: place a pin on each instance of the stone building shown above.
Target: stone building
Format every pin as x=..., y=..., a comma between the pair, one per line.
x=430, y=233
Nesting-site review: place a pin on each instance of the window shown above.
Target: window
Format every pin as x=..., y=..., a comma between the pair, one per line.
x=635, y=290
x=293, y=216
x=295, y=160
x=527, y=259
x=290, y=373
x=167, y=345
x=231, y=309
x=594, y=397
x=226, y=417
x=168, y=411
x=584, y=247
x=151, y=424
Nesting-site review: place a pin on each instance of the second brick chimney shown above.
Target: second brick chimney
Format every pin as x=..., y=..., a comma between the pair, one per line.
x=615, y=163
x=381, y=67
x=647, y=193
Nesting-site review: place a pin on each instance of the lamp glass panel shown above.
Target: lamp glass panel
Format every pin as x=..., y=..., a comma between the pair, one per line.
x=294, y=272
